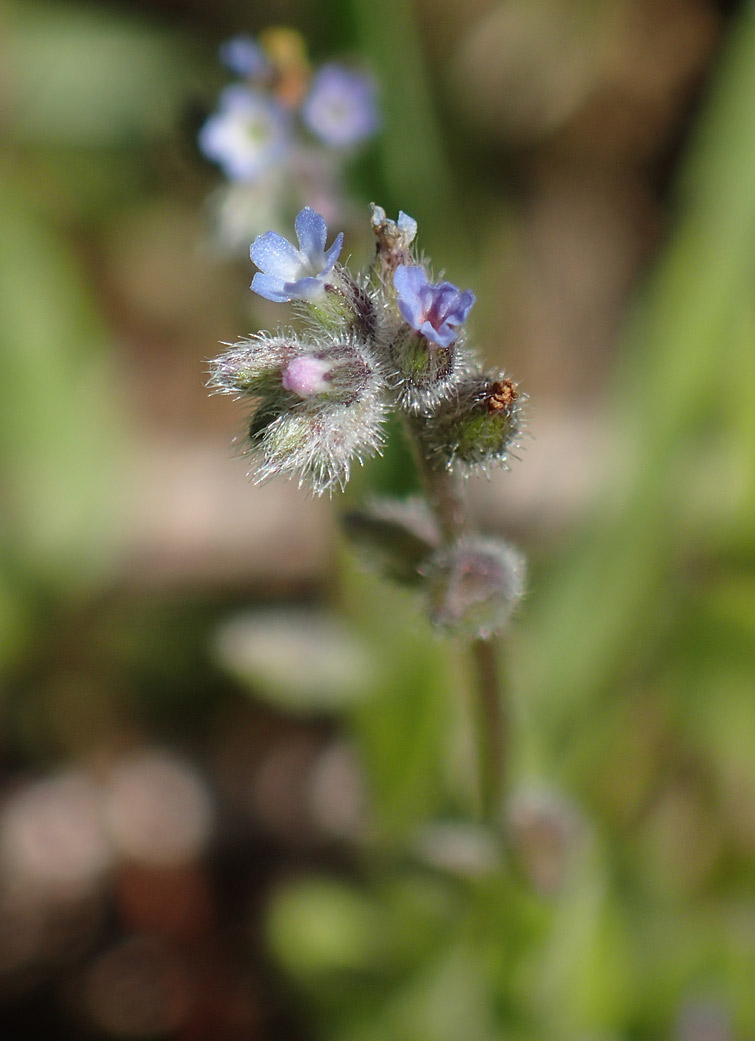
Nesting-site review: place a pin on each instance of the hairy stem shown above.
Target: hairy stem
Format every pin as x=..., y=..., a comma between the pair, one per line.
x=443, y=493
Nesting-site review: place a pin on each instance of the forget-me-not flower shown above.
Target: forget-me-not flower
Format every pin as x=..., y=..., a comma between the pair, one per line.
x=434, y=310
x=341, y=108
x=248, y=133
x=245, y=57
x=288, y=273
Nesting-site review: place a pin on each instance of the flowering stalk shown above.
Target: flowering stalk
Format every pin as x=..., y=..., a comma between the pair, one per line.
x=389, y=340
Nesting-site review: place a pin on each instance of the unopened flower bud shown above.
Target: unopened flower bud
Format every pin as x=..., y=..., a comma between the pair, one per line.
x=307, y=376
x=474, y=586
x=252, y=366
x=479, y=423
x=325, y=410
x=318, y=441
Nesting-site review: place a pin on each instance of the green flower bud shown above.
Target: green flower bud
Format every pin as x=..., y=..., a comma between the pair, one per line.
x=474, y=585
x=479, y=423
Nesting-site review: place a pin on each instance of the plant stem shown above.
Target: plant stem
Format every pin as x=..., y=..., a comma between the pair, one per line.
x=443, y=493
x=491, y=724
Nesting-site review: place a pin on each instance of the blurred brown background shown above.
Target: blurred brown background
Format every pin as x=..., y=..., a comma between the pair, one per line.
x=150, y=808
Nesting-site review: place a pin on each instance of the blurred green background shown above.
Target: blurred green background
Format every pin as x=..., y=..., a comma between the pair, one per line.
x=235, y=783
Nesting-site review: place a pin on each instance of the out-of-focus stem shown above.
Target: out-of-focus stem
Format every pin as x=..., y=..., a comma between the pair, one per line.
x=444, y=496
x=492, y=725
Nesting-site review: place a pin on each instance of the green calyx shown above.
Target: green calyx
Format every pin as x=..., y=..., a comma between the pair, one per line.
x=483, y=435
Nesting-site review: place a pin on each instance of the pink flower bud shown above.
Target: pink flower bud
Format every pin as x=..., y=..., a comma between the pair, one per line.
x=307, y=376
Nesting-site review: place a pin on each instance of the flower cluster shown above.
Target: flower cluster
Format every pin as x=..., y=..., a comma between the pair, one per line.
x=283, y=132
x=390, y=340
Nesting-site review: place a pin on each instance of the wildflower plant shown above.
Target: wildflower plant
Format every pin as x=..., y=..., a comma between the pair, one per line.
x=389, y=340
x=283, y=132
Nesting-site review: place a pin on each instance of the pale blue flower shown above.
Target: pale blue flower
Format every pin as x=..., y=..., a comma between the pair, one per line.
x=248, y=133
x=245, y=57
x=434, y=310
x=341, y=108
x=288, y=273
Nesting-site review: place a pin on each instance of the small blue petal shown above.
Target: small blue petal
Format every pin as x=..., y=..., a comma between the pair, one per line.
x=311, y=231
x=308, y=288
x=270, y=287
x=407, y=226
x=443, y=336
x=465, y=303
x=276, y=256
x=411, y=310
x=409, y=281
x=243, y=56
x=410, y=278
x=334, y=252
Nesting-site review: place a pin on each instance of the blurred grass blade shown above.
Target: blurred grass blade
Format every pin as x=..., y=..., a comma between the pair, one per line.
x=603, y=605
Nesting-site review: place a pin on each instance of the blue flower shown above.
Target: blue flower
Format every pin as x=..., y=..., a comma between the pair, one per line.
x=245, y=57
x=248, y=133
x=288, y=273
x=435, y=311
x=341, y=108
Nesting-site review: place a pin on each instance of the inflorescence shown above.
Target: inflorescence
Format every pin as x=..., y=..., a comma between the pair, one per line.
x=389, y=340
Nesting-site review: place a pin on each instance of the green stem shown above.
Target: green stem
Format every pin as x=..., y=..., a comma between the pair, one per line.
x=442, y=490
x=492, y=726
